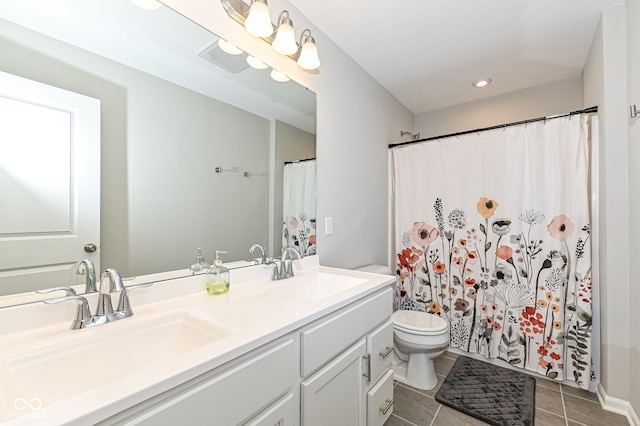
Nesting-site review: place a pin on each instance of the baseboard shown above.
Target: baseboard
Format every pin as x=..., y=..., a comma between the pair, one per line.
x=618, y=406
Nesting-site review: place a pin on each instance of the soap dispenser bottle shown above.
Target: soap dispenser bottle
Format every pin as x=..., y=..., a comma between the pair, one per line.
x=200, y=264
x=218, y=276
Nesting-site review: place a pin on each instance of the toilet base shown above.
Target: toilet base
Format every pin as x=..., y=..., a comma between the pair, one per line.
x=419, y=372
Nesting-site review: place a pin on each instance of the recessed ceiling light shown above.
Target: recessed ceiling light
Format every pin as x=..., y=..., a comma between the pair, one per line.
x=482, y=82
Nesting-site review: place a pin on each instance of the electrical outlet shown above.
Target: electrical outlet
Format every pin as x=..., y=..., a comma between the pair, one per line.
x=328, y=225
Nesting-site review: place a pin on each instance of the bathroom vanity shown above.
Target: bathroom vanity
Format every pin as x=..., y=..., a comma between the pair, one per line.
x=314, y=349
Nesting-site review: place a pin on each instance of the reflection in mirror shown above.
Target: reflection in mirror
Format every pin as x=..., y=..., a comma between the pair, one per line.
x=170, y=116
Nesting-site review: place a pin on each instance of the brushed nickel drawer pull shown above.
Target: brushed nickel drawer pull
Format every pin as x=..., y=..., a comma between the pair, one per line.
x=389, y=405
x=386, y=354
x=368, y=373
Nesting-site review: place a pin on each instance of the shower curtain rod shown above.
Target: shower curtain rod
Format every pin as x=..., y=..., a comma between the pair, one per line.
x=298, y=161
x=590, y=110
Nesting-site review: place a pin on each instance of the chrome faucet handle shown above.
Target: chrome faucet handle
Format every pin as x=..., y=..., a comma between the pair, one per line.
x=83, y=314
x=262, y=252
x=124, y=307
x=68, y=290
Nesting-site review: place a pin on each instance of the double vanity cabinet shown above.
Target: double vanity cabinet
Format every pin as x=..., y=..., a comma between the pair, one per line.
x=314, y=349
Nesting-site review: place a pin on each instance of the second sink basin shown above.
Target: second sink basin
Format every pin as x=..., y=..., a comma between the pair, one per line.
x=42, y=371
x=318, y=286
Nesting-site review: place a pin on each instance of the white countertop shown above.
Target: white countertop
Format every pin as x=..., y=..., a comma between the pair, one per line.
x=255, y=311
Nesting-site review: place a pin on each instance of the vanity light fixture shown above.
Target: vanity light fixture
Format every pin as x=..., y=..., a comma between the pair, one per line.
x=278, y=76
x=258, y=22
x=281, y=38
x=285, y=39
x=256, y=63
x=147, y=4
x=229, y=48
x=482, y=82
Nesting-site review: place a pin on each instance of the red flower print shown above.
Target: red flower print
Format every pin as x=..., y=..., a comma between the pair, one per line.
x=497, y=326
x=462, y=242
x=561, y=227
x=312, y=239
x=504, y=252
x=457, y=261
x=439, y=267
x=423, y=234
x=542, y=351
x=472, y=257
x=408, y=258
x=483, y=308
x=555, y=356
x=469, y=282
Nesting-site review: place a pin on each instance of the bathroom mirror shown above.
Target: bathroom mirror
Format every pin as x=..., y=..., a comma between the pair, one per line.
x=192, y=154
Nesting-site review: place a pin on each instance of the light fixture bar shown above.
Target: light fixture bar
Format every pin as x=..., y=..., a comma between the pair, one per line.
x=238, y=10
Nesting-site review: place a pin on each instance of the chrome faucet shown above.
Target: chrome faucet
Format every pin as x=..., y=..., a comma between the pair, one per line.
x=263, y=255
x=87, y=268
x=286, y=266
x=110, y=282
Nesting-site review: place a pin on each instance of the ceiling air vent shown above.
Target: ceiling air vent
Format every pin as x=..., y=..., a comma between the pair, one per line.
x=232, y=63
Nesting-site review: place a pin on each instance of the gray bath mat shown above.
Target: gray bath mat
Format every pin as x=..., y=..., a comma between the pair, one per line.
x=493, y=394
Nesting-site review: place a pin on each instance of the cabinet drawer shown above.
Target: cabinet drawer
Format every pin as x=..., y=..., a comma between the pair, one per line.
x=380, y=400
x=328, y=337
x=228, y=397
x=380, y=349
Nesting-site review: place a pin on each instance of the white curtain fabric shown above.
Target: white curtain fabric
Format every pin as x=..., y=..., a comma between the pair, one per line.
x=299, y=210
x=491, y=232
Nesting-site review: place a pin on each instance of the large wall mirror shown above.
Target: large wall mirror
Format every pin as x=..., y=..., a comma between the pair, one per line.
x=193, y=143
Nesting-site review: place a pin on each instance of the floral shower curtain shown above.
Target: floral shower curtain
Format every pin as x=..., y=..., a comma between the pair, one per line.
x=491, y=231
x=299, y=209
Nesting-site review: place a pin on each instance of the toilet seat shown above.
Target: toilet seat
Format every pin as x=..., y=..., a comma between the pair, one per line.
x=416, y=322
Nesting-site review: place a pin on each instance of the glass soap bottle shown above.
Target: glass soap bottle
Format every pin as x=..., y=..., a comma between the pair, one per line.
x=200, y=264
x=218, y=276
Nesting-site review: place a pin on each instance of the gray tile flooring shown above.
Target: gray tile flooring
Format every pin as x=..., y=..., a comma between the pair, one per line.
x=556, y=404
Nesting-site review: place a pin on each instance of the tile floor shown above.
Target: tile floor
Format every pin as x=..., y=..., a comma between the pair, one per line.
x=556, y=404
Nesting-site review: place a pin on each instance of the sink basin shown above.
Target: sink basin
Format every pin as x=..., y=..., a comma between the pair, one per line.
x=43, y=370
x=317, y=286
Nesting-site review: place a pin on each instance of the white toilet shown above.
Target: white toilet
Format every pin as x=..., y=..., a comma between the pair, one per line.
x=418, y=337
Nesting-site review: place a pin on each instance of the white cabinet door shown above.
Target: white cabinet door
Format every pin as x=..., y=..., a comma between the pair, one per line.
x=49, y=184
x=334, y=395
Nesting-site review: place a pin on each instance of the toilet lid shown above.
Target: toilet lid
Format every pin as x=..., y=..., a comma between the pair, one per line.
x=418, y=321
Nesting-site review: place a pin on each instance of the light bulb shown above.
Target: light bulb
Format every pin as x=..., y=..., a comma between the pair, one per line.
x=285, y=40
x=229, y=48
x=256, y=63
x=309, y=59
x=278, y=76
x=258, y=22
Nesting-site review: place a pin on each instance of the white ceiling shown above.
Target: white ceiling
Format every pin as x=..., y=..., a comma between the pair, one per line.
x=428, y=52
